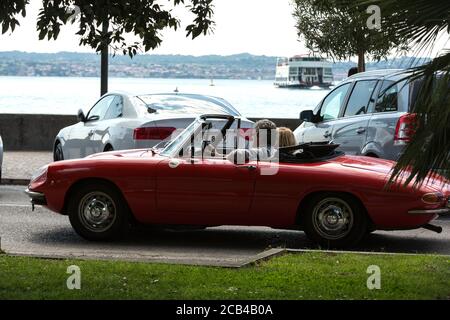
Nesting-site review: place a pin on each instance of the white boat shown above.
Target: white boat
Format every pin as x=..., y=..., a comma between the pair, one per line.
x=304, y=71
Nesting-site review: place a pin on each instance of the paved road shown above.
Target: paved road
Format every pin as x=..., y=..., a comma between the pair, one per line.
x=15, y=168
x=45, y=233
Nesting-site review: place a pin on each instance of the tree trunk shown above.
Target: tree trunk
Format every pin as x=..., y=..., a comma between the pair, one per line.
x=361, y=62
x=104, y=63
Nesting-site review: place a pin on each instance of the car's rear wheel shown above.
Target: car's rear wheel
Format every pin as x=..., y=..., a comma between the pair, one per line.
x=98, y=212
x=58, y=154
x=334, y=220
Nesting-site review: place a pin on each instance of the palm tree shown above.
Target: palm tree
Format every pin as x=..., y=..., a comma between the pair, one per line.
x=423, y=22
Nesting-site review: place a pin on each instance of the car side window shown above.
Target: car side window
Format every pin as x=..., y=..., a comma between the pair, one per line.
x=100, y=109
x=388, y=97
x=115, y=109
x=332, y=104
x=360, y=98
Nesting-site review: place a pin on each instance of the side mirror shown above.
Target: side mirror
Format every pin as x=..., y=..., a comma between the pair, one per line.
x=307, y=116
x=81, y=116
x=93, y=118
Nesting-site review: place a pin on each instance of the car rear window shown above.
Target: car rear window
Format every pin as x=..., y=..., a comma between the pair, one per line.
x=186, y=105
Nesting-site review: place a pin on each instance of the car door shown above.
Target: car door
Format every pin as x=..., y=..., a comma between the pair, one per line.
x=393, y=102
x=107, y=126
x=329, y=112
x=204, y=191
x=81, y=139
x=350, y=130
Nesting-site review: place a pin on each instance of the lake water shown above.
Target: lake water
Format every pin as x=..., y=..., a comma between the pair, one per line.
x=52, y=95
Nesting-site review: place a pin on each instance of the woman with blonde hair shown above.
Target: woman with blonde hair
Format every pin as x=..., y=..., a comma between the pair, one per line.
x=286, y=137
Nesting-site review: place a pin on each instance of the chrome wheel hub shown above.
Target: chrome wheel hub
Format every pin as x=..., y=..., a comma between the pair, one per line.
x=97, y=211
x=333, y=218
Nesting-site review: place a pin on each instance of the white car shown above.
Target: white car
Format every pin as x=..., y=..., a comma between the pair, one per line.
x=1, y=158
x=121, y=121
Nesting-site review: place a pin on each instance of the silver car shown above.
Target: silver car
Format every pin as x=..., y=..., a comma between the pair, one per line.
x=121, y=121
x=366, y=114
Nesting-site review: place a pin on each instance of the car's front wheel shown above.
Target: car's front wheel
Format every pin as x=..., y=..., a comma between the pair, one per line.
x=335, y=220
x=58, y=154
x=98, y=212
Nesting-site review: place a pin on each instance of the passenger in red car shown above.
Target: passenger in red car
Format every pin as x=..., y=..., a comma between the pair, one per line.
x=286, y=138
x=264, y=145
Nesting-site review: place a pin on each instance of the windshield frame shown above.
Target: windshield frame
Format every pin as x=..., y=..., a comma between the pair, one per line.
x=176, y=144
x=173, y=149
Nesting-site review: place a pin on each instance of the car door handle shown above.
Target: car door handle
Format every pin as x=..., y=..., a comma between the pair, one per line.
x=91, y=133
x=327, y=134
x=249, y=167
x=360, y=130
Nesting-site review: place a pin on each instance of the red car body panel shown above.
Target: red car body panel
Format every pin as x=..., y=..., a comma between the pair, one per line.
x=210, y=192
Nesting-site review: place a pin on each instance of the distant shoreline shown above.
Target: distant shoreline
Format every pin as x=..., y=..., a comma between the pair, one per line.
x=234, y=67
x=123, y=77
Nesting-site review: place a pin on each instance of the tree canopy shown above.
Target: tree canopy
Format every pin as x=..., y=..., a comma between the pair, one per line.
x=422, y=22
x=142, y=19
x=339, y=29
x=9, y=10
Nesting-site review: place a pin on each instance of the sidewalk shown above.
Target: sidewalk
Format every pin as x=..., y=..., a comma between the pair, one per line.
x=18, y=167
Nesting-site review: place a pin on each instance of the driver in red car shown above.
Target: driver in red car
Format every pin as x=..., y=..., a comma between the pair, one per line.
x=264, y=146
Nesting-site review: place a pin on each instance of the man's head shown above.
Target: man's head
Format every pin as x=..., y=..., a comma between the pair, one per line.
x=267, y=128
x=352, y=71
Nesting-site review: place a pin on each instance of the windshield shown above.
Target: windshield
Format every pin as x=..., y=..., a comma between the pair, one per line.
x=177, y=143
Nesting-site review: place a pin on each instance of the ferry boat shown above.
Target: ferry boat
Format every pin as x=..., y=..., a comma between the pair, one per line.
x=304, y=71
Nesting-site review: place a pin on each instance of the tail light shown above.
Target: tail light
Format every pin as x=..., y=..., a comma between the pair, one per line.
x=405, y=129
x=153, y=133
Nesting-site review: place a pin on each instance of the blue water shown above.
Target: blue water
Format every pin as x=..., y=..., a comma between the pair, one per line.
x=53, y=95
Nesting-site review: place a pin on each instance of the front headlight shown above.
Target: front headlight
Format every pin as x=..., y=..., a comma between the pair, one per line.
x=40, y=174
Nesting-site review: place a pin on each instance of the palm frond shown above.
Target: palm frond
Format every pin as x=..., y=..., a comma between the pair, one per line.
x=429, y=150
x=421, y=22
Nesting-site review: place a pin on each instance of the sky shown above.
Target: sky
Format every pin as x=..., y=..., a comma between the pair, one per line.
x=261, y=27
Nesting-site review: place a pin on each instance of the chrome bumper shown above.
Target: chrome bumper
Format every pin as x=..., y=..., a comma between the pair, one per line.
x=441, y=212
x=37, y=198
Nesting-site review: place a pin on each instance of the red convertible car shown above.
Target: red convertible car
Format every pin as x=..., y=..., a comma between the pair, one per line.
x=336, y=199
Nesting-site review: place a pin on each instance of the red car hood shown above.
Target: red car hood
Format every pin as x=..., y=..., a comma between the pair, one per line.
x=122, y=154
x=384, y=167
x=366, y=163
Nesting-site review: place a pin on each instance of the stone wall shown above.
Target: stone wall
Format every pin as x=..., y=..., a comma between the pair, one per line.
x=36, y=132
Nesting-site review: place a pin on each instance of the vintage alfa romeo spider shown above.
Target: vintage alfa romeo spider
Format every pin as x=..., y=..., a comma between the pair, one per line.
x=336, y=199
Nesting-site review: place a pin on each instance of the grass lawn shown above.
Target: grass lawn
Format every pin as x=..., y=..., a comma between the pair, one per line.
x=292, y=276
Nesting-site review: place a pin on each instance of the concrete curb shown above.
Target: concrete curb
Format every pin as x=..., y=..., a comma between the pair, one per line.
x=251, y=261
x=266, y=255
x=15, y=182
x=366, y=253
x=263, y=256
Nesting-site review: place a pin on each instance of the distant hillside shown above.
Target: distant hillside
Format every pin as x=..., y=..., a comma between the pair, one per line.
x=239, y=66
